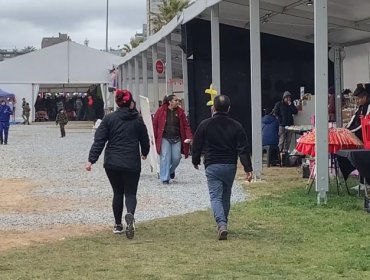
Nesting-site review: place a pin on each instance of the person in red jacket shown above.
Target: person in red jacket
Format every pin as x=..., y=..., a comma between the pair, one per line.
x=172, y=137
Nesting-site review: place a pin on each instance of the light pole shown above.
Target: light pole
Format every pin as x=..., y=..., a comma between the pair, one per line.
x=106, y=29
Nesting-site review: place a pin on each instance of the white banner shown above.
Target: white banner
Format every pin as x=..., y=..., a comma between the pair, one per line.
x=145, y=112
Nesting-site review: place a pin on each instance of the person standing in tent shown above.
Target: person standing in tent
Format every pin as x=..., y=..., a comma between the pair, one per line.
x=90, y=108
x=5, y=113
x=284, y=111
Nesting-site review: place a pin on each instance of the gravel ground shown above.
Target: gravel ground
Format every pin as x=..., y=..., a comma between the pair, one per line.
x=56, y=165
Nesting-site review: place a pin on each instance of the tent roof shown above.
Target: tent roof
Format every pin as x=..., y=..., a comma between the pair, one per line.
x=349, y=23
x=4, y=94
x=64, y=63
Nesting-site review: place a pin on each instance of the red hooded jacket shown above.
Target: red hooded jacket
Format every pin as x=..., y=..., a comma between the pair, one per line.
x=159, y=123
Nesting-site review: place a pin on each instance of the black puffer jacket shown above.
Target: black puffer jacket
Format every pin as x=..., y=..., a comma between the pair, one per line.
x=284, y=113
x=124, y=131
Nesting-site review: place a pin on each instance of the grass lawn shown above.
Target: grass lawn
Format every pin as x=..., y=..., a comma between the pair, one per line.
x=279, y=234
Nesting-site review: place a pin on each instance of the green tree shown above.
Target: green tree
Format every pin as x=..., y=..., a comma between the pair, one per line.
x=168, y=9
x=134, y=42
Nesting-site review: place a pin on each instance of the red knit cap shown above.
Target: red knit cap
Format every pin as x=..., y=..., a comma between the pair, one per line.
x=123, y=98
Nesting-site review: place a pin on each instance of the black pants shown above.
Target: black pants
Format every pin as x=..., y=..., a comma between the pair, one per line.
x=124, y=183
x=62, y=130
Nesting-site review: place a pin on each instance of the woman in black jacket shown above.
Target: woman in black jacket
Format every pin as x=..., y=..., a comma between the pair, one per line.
x=125, y=133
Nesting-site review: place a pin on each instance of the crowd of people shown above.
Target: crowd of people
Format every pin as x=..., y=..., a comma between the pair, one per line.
x=80, y=108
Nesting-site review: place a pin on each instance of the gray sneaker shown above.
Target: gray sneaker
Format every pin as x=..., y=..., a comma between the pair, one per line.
x=130, y=228
x=222, y=233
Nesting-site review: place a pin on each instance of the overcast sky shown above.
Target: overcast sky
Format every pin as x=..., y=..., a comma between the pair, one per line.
x=25, y=22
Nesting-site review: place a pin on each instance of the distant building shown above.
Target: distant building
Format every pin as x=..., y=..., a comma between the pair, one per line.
x=6, y=54
x=151, y=7
x=49, y=41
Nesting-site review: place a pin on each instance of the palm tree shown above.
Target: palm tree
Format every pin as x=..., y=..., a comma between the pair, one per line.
x=126, y=48
x=135, y=41
x=168, y=9
x=28, y=49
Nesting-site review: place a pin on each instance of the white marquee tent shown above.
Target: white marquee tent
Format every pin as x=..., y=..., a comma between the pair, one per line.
x=67, y=67
x=342, y=24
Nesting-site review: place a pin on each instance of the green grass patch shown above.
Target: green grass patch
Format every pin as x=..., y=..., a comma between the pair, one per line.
x=281, y=234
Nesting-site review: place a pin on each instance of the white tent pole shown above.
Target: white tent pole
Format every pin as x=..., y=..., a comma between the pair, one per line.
x=169, y=85
x=338, y=85
x=215, y=44
x=255, y=45
x=185, y=81
x=155, y=78
x=144, y=60
x=33, y=115
x=124, y=76
x=321, y=97
x=136, y=92
x=129, y=73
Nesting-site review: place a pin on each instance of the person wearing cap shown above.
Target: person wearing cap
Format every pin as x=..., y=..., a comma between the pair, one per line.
x=125, y=138
x=284, y=111
x=363, y=100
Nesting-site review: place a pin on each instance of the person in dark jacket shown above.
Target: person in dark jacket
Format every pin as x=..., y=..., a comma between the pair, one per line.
x=126, y=137
x=284, y=111
x=222, y=140
x=270, y=129
x=5, y=113
x=363, y=101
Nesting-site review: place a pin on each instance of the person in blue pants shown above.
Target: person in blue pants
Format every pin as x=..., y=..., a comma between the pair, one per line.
x=222, y=140
x=5, y=113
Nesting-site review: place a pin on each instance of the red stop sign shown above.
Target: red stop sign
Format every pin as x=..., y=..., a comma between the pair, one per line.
x=159, y=66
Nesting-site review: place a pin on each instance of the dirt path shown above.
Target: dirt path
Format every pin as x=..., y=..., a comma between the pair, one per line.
x=16, y=197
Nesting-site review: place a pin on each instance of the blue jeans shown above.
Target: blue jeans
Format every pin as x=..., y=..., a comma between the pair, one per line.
x=4, y=130
x=220, y=178
x=169, y=159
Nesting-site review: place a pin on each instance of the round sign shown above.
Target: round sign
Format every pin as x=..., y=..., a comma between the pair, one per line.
x=159, y=66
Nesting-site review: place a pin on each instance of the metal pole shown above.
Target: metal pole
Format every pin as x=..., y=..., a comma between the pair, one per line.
x=137, y=82
x=255, y=45
x=106, y=29
x=129, y=72
x=185, y=81
x=338, y=85
x=215, y=44
x=124, y=76
x=169, y=86
x=155, y=78
x=321, y=108
x=144, y=59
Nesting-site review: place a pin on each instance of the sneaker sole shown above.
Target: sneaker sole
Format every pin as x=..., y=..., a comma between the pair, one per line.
x=118, y=231
x=223, y=235
x=130, y=231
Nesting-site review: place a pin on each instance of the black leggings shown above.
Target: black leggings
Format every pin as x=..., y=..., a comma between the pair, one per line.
x=124, y=183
